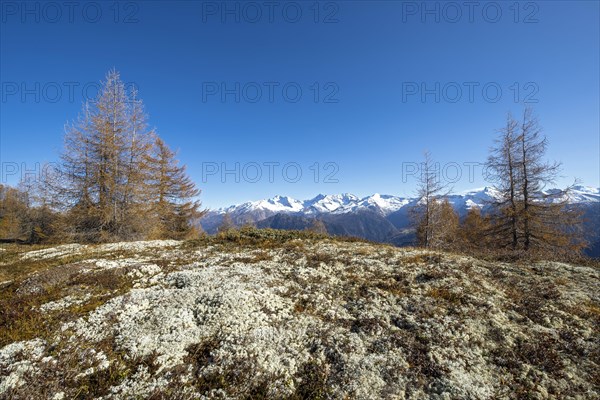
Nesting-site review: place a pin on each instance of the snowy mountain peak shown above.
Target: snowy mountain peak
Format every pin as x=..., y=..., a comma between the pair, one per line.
x=587, y=189
x=330, y=203
x=282, y=203
x=384, y=204
x=282, y=200
x=480, y=192
x=381, y=203
x=386, y=208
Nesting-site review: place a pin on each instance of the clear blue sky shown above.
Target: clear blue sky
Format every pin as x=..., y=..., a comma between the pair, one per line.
x=369, y=56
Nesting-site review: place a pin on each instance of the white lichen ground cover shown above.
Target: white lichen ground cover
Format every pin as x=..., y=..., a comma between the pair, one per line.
x=312, y=319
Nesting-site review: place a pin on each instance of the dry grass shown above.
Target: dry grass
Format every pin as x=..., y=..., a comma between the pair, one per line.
x=314, y=260
x=266, y=238
x=65, y=375
x=20, y=315
x=256, y=257
x=446, y=295
x=394, y=286
x=12, y=267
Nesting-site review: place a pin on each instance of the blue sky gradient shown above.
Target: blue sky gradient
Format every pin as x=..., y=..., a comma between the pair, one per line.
x=366, y=58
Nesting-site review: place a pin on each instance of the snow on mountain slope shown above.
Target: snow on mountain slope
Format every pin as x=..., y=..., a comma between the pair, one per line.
x=330, y=203
x=275, y=204
x=476, y=198
x=279, y=203
x=383, y=204
x=580, y=194
x=336, y=203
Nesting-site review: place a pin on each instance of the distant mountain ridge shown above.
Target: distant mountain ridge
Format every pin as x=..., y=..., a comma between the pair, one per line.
x=382, y=218
x=385, y=205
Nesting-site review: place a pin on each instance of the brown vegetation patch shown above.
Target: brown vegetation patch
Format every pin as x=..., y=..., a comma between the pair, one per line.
x=20, y=314
x=446, y=295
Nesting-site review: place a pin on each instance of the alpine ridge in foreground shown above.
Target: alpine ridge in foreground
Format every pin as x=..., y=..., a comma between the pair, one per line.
x=293, y=315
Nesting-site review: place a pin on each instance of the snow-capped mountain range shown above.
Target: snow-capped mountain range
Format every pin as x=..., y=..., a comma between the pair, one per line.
x=382, y=204
x=333, y=203
x=380, y=218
